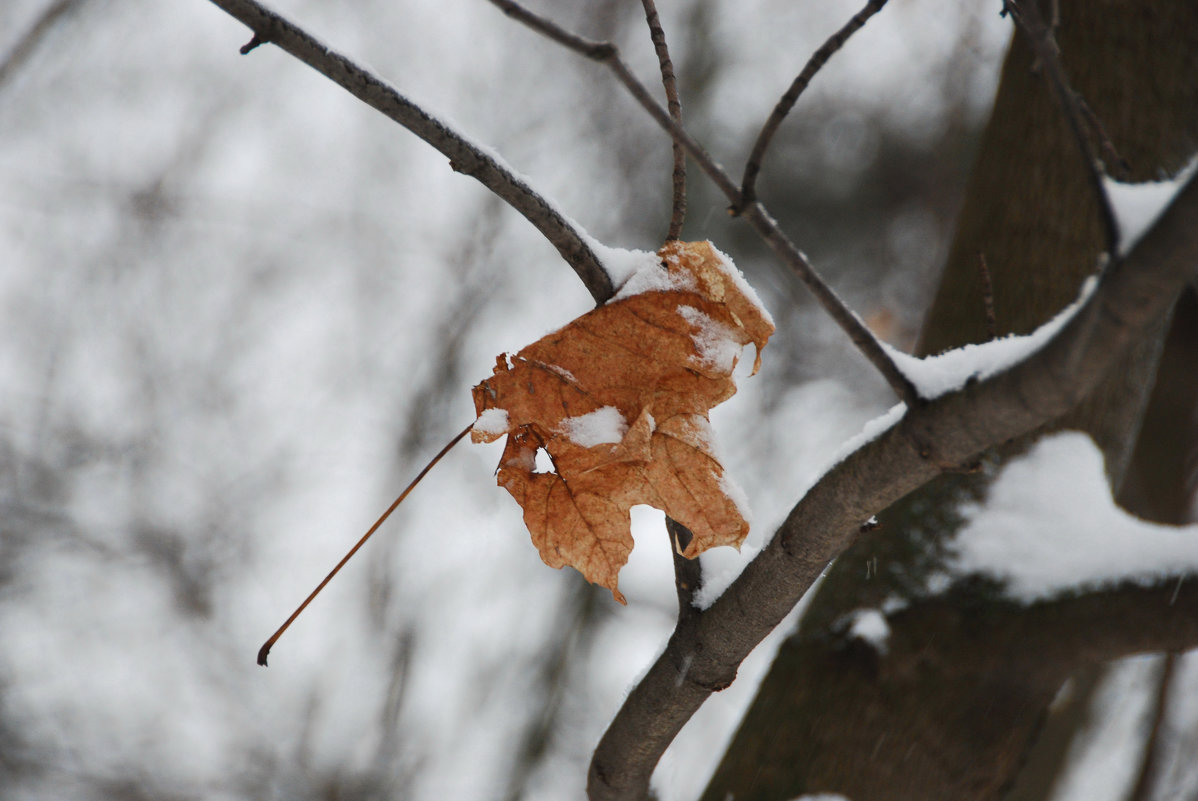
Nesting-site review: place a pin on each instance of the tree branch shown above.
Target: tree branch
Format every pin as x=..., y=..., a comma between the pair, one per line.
x=658, y=35
x=607, y=54
x=688, y=573
x=819, y=58
x=705, y=652
x=464, y=156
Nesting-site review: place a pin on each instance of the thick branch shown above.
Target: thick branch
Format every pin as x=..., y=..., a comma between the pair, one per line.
x=704, y=653
x=607, y=54
x=464, y=155
x=748, y=184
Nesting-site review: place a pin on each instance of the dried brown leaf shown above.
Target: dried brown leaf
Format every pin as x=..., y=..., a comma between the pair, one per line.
x=619, y=401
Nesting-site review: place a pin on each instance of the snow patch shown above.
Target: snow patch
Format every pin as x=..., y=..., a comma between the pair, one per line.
x=1137, y=206
x=492, y=423
x=872, y=429
x=715, y=342
x=934, y=376
x=633, y=272
x=738, y=279
x=738, y=497
x=721, y=567
x=1050, y=526
x=870, y=626
x=602, y=426
x=622, y=265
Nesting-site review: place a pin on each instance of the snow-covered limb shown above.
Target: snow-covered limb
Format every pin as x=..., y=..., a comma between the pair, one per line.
x=464, y=155
x=1049, y=526
x=936, y=437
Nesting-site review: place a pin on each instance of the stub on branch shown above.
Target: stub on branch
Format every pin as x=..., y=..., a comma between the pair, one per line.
x=618, y=399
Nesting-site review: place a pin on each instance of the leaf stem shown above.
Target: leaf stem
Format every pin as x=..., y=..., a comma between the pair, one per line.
x=264, y=651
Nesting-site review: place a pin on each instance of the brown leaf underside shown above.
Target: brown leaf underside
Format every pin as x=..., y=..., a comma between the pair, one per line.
x=652, y=358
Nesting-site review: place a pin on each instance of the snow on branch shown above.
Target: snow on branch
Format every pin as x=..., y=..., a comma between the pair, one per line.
x=1042, y=545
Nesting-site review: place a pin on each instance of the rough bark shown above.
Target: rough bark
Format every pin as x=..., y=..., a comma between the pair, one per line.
x=946, y=712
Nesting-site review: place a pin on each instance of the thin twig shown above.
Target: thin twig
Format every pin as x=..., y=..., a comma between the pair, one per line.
x=755, y=213
x=860, y=335
x=658, y=35
x=748, y=190
x=687, y=572
x=1026, y=15
x=587, y=47
x=465, y=156
x=608, y=54
x=1114, y=161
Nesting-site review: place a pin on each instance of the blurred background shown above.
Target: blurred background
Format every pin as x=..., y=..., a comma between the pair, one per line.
x=241, y=310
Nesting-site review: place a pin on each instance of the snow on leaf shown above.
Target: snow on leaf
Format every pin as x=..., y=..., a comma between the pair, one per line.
x=619, y=400
x=594, y=428
x=491, y=421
